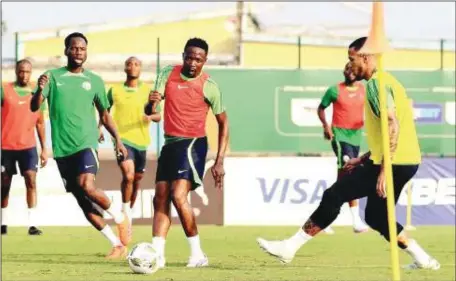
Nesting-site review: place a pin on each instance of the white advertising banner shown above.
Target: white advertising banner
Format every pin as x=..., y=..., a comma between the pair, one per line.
x=277, y=190
x=56, y=207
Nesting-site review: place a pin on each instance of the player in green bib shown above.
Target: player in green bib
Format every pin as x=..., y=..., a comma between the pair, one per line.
x=73, y=93
x=345, y=130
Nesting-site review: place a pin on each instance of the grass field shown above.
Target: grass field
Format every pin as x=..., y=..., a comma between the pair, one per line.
x=76, y=253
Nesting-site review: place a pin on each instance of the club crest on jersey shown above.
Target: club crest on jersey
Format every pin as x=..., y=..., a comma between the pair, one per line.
x=86, y=85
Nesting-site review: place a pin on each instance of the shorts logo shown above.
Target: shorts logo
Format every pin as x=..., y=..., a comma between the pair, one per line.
x=86, y=86
x=88, y=166
x=181, y=171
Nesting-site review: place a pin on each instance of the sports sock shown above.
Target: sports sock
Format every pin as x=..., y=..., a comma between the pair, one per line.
x=117, y=215
x=195, y=246
x=299, y=239
x=354, y=210
x=159, y=245
x=416, y=252
x=4, y=216
x=32, y=217
x=109, y=234
x=127, y=210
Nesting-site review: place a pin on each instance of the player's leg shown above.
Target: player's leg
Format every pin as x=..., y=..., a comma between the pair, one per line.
x=136, y=187
x=162, y=204
x=357, y=184
x=377, y=218
x=140, y=168
x=162, y=218
x=87, y=168
x=8, y=162
x=28, y=165
x=68, y=171
x=127, y=167
x=348, y=152
x=93, y=214
x=189, y=176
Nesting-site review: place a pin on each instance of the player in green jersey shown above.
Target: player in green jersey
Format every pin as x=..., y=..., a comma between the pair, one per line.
x=73, y=93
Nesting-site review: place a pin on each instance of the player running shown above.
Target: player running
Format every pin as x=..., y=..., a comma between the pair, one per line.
x=133, y=125
x=345, y=131
x=72, y=93
x=189, y=93
x=367, y=177
x=19, y=142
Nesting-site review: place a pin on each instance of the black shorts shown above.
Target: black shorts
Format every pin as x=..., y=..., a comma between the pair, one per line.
x=26, y=158
x=72, y=166
x=138, y=157
x=360, y=183
x=183, y=159
x=341, y=149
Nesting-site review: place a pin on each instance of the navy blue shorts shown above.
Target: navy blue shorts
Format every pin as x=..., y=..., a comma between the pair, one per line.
x=26, y=158
x=138, y=157
x=72, y=166
x=183, y=159
x=341, y=149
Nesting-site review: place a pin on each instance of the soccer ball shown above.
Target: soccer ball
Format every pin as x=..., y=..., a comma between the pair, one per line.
x=142, y=259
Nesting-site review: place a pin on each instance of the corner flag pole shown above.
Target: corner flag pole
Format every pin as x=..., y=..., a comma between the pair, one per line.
x=377, y=44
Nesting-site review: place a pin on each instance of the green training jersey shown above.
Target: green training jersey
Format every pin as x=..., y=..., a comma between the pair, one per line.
x=72, y=98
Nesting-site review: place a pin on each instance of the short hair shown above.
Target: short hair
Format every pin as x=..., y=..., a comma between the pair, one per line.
x=133, y=58
x=358, y=43
x=74, y=35
x=197, y=42
x=23, y=61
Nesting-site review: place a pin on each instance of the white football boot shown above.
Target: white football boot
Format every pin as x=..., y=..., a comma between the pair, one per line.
x=198, y=262
x=278, y=249
x=431, y=264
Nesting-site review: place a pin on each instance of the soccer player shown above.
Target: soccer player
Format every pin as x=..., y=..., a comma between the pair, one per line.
x=367, y=176
x=19, y=142
x=133, y=125
x=72, y=93
x=189, y=92
x=345, y=131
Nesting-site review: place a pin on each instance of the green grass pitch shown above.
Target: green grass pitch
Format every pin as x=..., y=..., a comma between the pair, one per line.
x=77, y=253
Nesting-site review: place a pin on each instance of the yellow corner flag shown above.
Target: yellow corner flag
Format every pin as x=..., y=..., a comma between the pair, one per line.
x=377, y=44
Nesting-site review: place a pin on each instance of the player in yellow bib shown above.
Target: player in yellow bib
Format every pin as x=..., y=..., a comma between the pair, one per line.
x=366, y=176
x=127, y=107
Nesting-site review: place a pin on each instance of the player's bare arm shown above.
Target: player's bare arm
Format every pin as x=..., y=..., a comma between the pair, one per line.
x=38, y=98
x=326, y=128
x=352, y=163
x=40, y=128
x=393, y=130
x=218, y=172
x=154, y=100
x=110, y=125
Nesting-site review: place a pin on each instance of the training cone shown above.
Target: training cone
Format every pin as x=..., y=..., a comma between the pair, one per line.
x=376, y=42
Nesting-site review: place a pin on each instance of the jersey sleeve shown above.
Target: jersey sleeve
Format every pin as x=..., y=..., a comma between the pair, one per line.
x=213, y=96
x=101, y=98
x=329, y=97
x=373, y=96
x=162, y=78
